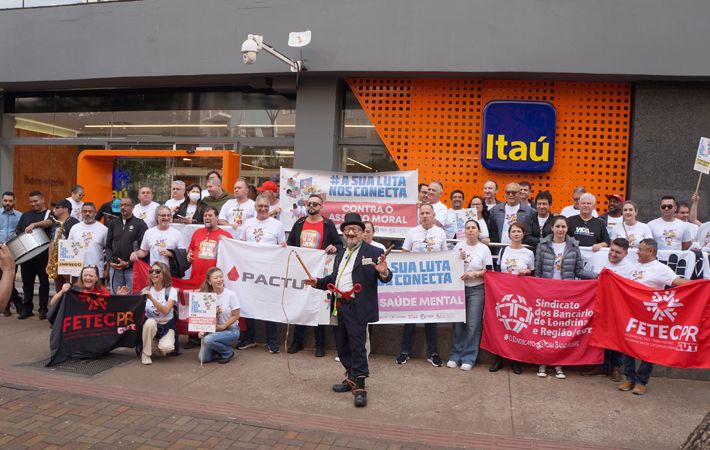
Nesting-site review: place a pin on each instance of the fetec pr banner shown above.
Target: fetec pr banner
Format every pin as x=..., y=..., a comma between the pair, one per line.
x=264, y=275
x=387, y=199
x=425, y=287
x=539, y=321
x=669, y=327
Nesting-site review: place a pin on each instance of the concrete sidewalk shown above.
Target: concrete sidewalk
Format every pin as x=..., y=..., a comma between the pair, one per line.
x=415, y=402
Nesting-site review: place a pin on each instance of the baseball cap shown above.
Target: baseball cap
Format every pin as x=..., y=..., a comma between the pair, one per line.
x=268, y=185
x=116, y=205
x=63, y=204
x=616, y=196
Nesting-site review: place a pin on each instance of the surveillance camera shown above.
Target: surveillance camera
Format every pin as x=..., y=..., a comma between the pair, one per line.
x=249, y=50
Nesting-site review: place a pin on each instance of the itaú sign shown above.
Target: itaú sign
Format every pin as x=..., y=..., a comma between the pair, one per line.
x=518, y=136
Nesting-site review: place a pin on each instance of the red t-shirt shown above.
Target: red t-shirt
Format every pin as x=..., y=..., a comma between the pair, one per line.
x=312, y=234
x=203, y=247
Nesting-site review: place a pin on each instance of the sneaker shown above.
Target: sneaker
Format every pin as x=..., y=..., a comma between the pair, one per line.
x=435, y=360
x=466, y=366
x=627, y=385
x=451, y=364
x=274, y=349
x=402, y=358
x=145, y=359
x=542, y=371
x=559, y=374
x=294, y=347
x=245, y=344
x=639, y=389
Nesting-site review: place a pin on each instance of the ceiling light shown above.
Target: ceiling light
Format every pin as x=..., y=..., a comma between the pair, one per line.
x=359, y=163
x=185, y=125
x=250, y=165
x=284, y=152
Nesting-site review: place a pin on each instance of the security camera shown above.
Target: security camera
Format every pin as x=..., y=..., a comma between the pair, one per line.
x=250, y=48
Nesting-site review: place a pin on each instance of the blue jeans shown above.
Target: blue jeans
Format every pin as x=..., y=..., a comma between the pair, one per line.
x=121, y=278
x=408, y=338
x=612, y=358
x=640, y=375
x=467, y=336
x=219, y=343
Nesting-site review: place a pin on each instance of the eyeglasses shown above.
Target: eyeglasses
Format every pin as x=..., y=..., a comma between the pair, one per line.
x=314, y=204
x=155, y=271
x=666, y=206
x=90, y=266
x=512, y=192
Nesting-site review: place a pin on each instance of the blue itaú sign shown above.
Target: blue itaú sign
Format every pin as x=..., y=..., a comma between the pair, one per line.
x=518, y=136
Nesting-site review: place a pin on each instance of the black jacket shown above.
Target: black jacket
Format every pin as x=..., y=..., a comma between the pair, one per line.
x=330, y=234
x=366, y=306
x=122, y=240
x=199, y=212
x=179, y=264
x=533, y=234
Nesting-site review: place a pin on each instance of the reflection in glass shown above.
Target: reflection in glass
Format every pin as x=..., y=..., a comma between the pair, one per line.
x=367, y=159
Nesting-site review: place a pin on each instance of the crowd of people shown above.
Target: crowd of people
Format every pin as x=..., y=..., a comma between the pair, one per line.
x=520, y=235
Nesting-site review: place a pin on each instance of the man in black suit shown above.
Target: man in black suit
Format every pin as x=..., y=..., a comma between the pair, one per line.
x=353, y=283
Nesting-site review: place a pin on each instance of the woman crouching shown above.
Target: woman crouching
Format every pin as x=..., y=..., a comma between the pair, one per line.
x=160, y=300
x=221, y=342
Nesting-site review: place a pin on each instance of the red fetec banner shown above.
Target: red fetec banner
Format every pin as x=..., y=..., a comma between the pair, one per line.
x=670, y=327
x=538, y=320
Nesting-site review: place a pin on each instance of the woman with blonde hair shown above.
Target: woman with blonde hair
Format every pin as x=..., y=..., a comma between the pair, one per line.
x=160, y=301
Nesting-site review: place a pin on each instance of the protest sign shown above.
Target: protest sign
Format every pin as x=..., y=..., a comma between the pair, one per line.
x=203, y=312
x=269, y=281
x=425, y=287
x=387, y=199
x=669, y=327
x=89, y=325
x=70, y=258
x=702, y=159
x=539, y=321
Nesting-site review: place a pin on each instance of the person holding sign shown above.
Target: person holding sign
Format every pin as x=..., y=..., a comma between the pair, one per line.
x=160, y=299
x=353, y=283
x=225, y=337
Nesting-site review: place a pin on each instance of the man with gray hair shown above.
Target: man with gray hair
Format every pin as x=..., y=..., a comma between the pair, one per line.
x=573, y=210
x=588, y=230
x=159, y=241
x=503, y=215
x=177, y=192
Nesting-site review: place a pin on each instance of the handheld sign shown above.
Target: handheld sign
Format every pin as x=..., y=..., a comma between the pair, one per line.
x=70, y=259
x=203, y=312
x=702, y=160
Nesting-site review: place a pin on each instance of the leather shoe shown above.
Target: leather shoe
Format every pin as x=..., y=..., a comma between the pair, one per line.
x=515, y=365
x=320, y=352
x=42, y=315
x=361, y=398
x=496, y=366
x=25, y=315
x=295, y=347
x=227, y=359
x=342, y=387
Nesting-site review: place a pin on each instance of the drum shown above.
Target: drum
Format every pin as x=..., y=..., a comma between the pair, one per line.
x=26, y=246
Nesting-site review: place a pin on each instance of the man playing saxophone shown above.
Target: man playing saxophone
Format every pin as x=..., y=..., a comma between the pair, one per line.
x=63, y=221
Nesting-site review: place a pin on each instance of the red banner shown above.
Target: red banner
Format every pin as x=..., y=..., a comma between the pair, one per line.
x=539, y=321
x=669, y=327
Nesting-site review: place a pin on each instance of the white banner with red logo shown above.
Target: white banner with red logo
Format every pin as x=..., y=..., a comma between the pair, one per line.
x=539, y=321
x=387, y=199
x=425, y=287
x=669, y=327
x=268, y=280
x=681, y=261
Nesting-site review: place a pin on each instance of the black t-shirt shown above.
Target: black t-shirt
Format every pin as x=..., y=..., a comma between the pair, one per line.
x=30, y=217
x=70, y=222
x=588, y=233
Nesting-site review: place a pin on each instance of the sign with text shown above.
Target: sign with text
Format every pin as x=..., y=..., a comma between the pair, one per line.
x=425, y=287
x=387, y=199
x=203, y=312
x=518, y=136
x=539, y=321
x=70, y=258
x=702, y=159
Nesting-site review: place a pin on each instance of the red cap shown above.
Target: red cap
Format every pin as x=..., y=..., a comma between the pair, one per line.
x=616, y=196
x=268, y=185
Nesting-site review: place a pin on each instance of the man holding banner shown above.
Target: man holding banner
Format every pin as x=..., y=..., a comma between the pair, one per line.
x=353, y=284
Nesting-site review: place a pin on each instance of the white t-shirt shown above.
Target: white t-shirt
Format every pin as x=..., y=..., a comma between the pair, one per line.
x=511, y=216
x=623, y=268
x=152, y=312
x=569, y=211
x=146, y=213
x=513, y=260
x=670, y=235
x=441, y=212
x=267, y=231
x=613, y=222
x=654, y=274
x=633, y=233
x=378, y=245
x=75, y=208
x=94, y=239
x=420, y=240
x=559, y=249
x=693, y=230
x=155, y=240
x=541, y=221
x=477, y=258
x=173, y=204
x=703, y=237
x=234, y=212
x=227, y=302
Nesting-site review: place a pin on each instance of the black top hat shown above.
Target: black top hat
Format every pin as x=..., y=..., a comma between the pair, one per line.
x=352, y=219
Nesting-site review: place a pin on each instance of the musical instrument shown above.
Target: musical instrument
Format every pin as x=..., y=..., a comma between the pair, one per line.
x=53, y=263
x=26, y=246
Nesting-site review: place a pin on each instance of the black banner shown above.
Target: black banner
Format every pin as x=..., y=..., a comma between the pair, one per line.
x=89, y=325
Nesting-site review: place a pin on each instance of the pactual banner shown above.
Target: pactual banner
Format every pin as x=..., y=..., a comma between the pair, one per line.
x=539, y=321
x=269, y=281
x=70, y=258
x=669, y=327
x=89, y=325
x=425, y=287
x=203, y=312
x=681, y=261
x=702, y=159
x=387, y=199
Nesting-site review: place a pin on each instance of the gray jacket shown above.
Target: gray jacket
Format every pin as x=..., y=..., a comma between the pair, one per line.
x=572, y=264
x=496, y=216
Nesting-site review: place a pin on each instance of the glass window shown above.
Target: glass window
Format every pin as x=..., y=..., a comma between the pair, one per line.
x=259, y=163
x=366, y=159
x=355, y=122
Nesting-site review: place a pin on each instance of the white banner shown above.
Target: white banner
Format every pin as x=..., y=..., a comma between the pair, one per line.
x=681, y=261
x=269, y=285
x=70, y=258
x=425, y=287
x=387, y=199
x=203, y=312
x=702, y=159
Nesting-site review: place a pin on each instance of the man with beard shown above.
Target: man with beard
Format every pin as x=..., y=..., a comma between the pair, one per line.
x=159, y=241
x=8, y=223
x=313, y=231
x=202, y=251
x=92, y=235
x=124, y=236
x=613, y=217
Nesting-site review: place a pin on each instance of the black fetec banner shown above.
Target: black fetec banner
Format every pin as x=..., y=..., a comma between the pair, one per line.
x=89, y=325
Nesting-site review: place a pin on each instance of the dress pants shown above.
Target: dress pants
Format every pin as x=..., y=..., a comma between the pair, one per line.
x=35, y=268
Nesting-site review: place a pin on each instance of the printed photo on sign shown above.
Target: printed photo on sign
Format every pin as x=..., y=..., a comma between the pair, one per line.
x=203, y=312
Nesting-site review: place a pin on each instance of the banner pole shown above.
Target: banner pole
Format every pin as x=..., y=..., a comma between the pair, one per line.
x=201, y=354
x=298, y=257
x=697, y=186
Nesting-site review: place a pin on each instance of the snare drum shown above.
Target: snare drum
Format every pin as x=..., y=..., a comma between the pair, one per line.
x=26, y=246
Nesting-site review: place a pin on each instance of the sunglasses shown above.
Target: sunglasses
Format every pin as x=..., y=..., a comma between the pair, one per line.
x=155, y=271
x=667, y=206
x=314, y=204
x=512, y=192
x=90, y=266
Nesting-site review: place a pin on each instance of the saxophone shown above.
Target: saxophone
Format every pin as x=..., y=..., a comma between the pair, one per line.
x=54, y=261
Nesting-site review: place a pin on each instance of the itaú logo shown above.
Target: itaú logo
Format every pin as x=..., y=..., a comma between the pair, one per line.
x=518, y=136
x=514, y=313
